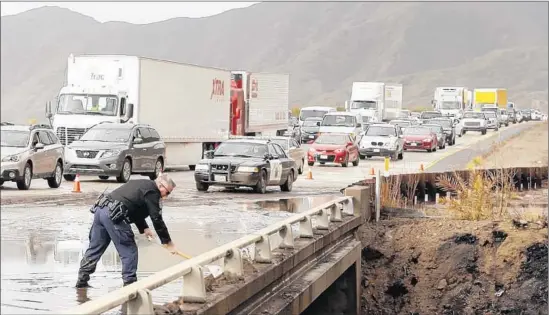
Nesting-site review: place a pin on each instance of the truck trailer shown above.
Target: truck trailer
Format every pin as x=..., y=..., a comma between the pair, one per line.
x=187, y=104
x=490, y=97
x=259, y=103
x=375, y=101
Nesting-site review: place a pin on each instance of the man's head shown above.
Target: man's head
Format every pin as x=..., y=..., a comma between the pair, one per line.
x=165, y=184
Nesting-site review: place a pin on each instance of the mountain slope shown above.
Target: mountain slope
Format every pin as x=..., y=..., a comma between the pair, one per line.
x=324, y=46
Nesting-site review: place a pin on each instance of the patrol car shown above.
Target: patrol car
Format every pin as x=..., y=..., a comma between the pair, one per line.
x=246, y=162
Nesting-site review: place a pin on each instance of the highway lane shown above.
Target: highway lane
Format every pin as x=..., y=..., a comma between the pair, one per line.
x=41, y=243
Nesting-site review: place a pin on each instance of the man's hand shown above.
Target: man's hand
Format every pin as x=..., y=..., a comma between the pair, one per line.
x=171, y=248
x=149, y=234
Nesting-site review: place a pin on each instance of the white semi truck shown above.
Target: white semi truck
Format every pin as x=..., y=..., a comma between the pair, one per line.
x=189, y=105
x=451, y=101
x=375, y=101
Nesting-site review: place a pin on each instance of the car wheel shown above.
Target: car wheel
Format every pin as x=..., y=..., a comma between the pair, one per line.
x=311, y=163
x=1, y=182
x=192, y=167
x=126, y=172
x=463, y=132
x=158, y=167
x=497, y=129
x=202, y=186
x=362, y=157
x=368, y=156
x=103, y=177
x=69, y=177
x=287, y=186
x=507, y=125
x=25, y=182
x=484, y=131
x=355, y=163
x=300, y=169
x=346, y=163
x=55, y=181
x=435, y=149
x=401, y=155
x=261, y=186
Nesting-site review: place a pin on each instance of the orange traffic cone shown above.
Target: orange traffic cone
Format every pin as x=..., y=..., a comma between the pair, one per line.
x=76, y=188
x=421, y=168
x=309, y=174
x=372, y=172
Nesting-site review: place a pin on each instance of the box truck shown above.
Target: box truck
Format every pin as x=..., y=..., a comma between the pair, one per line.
x=375, y=101
x=187, y=104
x=259, y=103
x=451, y=101
x=490, y=97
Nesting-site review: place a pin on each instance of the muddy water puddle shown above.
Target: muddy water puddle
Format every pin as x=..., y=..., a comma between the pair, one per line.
x=41, y=248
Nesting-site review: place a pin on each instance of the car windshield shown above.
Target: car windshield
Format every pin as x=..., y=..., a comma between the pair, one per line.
x=332, y=139
x=427, y=115
x=241, y=149
x=339, y=121
x=475, y=115
x=401, y=123
x=84, y=104
x=435, y=129
x=363, y=105
x=282, y=142
x=443, y=123
x=107, y=135
x=490, y=114
x=417, y=131
x=310, y=123
x=14, y=138
x=450, y=105
x=489, y=109
x=308, y=113
x=380, y=131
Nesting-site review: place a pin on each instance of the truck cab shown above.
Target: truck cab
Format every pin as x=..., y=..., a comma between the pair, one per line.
x=450, y=101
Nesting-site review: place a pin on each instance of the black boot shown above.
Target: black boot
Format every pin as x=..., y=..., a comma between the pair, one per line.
x=80, y=283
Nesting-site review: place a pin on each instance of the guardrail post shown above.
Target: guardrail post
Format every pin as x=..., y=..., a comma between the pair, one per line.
x=263, y=250
x=194, y=287
x=323, y=222
x=233, y=263
x=306, y=227
x=287, y=236
x=142, y=304
x=348, y=206
x=335, y=213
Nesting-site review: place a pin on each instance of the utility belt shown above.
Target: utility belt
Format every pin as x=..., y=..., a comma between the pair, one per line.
x=118, y=212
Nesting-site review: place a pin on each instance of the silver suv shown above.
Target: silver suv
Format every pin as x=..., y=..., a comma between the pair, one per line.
x=115, y=149
x=30, y=152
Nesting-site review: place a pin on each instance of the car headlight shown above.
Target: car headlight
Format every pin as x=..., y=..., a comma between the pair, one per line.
x=312, y=150
x=339, y=151
x=110, y=153
x=12, y=158
x=201, y=167
x=248, y=169
x=427, y=140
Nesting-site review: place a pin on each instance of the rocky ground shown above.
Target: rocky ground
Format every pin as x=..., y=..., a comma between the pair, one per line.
x=454, y=267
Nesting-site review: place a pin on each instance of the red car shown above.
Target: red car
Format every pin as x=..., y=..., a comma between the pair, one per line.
x=333, y=148
x=420, y=138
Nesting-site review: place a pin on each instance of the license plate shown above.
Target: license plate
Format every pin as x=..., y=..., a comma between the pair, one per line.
x=323, y=156
x=220, y=178
x=376, y=150
x=414, y=144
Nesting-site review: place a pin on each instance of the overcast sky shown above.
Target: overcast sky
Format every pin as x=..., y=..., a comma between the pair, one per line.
x=132, y=12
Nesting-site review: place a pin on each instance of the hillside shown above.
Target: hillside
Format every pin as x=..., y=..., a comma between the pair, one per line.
x=324, y=46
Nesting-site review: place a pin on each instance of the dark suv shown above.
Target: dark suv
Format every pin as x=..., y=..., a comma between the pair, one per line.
x=115, y=149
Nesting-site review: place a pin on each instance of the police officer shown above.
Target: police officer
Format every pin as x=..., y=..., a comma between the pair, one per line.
x=113, y=213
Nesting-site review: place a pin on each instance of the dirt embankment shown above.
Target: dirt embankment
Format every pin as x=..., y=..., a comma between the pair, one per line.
x=527, y=149
x=453, y=267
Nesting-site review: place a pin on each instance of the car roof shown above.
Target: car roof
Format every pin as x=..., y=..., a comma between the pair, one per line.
x=383, y=125
x=431, y=125
x=334, y=134
x=313, y=118
x=341, y=114
x=244, y=140
x=318, y=108
x=10, y=126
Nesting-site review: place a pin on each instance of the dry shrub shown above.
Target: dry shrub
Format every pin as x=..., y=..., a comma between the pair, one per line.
x=479, y=196
x=391, y=190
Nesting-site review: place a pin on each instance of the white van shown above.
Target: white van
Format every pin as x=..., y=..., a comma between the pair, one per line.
x=341, y=122
x=314, y=111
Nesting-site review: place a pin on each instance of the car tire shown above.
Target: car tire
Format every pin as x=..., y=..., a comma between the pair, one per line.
x=69, y=177
x=287, y=186
x=202, y=186
x=435, y=149
x=55, y=180
x=368, y=156
x=362, y=157
x=103, y=177
x=463, y=132
x=25, y=182
x=192, y=167
x=346, y=163
x=401, y=155
x=507, y=125
x=158, y=167
x=261, y=186
x=311, y=163
x=126, y=172
x=1, y=182
x=483, y=132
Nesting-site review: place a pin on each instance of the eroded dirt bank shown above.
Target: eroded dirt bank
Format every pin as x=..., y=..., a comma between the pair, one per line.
x=454, y=267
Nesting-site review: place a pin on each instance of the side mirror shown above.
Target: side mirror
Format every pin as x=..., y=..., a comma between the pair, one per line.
x=137, y=140
x=350, y=143
x=209, y=154
x=39, y=146
x=318, y=123
x=128, y=112
x=268, y=156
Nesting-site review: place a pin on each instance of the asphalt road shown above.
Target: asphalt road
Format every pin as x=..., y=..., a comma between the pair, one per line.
x=44, y=231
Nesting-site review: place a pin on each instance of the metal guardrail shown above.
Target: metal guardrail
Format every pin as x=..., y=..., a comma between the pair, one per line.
x=138, y=295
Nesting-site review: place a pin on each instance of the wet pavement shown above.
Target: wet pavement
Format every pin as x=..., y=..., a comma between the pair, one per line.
x=41, y=252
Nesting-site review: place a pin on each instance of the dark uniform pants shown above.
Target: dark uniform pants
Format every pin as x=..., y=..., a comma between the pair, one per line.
x=103, y=230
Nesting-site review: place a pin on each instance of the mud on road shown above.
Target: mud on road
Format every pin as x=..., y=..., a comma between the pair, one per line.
x=453, y=267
